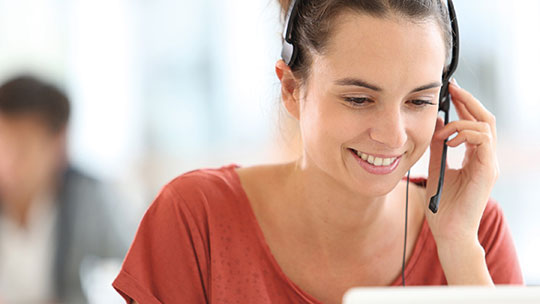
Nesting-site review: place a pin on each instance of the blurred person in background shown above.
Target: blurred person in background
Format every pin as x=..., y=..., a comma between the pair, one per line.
x=52, y=216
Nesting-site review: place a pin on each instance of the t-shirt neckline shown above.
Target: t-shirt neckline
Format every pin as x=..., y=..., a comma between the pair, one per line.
x=418, y=246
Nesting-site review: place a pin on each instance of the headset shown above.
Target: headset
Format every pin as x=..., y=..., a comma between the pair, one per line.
x=289, y=51
x=289, y=54
x=445, y=100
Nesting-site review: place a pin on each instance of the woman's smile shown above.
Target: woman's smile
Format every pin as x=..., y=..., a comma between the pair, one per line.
x=376, y=164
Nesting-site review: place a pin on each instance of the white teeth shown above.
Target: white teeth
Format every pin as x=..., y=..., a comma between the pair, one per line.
x=376, y=161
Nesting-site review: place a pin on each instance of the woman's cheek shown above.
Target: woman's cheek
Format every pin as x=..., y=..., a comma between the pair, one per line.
x=423, y=131
x=324, y=131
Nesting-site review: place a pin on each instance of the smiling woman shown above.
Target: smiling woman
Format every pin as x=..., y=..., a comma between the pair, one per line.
x=369, y=87
x=363, y=80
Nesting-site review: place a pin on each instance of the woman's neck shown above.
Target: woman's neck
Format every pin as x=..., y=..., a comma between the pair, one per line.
x=332, y=215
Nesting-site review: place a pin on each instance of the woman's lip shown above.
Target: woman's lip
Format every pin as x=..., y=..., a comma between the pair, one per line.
x=378, y=170
x=377, y=155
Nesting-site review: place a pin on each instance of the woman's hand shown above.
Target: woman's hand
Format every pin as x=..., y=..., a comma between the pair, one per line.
x=466, y=190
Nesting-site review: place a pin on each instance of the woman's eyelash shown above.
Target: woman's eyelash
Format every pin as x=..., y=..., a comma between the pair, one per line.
x=361, y=101
x=357, y=101
x=421, y=102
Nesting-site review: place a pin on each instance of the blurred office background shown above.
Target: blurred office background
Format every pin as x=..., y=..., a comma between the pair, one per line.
x=162, y=87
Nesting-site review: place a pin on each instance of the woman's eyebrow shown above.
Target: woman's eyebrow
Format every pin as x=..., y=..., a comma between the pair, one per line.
x=428, y=86
x=361, y=83
x=357, y=82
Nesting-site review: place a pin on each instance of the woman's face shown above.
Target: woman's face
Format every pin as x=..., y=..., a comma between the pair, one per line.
x=374, y=95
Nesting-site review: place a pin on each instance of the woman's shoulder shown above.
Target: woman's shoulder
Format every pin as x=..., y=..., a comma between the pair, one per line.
x=207, y=181
x=198, y=191
x=226, y=189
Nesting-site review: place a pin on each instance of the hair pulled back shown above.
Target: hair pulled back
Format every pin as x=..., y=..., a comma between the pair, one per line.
x=313, y=24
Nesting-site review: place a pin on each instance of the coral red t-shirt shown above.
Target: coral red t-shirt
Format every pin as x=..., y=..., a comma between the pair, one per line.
x=199, y=242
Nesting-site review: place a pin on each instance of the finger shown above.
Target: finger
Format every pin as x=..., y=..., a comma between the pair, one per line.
x=462, y=112
x=467, y=103
x=471, y=137
x=480, y=141
x=461, y=125
x=471, y=104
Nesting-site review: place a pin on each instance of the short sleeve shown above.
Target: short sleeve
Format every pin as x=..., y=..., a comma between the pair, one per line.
x=495, y=237
x=167, y=260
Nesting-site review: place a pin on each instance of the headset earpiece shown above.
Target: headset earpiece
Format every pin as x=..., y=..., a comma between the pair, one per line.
x=289, y=50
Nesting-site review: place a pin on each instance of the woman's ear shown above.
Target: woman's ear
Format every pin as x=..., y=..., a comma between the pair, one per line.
x=290, y=88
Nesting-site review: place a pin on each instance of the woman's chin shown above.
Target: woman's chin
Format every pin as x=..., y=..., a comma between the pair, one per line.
x=369, y=184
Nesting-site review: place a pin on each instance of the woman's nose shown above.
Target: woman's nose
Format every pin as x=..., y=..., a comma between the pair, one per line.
x=389, y=129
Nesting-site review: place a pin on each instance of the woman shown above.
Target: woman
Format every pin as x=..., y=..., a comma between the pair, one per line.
x=364, y=89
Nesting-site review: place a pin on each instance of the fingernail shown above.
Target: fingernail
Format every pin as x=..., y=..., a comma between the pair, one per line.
x=454, y=81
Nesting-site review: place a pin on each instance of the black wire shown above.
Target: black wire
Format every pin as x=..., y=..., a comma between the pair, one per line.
x=405, y=238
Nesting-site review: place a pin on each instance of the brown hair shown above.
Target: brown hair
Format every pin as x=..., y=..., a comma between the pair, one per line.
x=28, y=96
x=313, y=24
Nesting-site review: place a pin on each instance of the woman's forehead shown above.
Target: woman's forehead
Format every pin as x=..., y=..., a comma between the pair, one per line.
x=382, y=50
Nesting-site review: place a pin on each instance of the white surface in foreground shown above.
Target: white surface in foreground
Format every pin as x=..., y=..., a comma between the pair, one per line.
x=443, y=294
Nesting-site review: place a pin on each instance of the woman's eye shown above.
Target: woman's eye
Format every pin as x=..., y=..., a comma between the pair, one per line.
x=357, y=101
x=421, y=103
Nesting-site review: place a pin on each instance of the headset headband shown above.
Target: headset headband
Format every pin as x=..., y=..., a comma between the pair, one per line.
x=289, y=51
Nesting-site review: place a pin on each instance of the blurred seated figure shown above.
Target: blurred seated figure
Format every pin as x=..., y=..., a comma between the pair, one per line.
x=52, y=217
